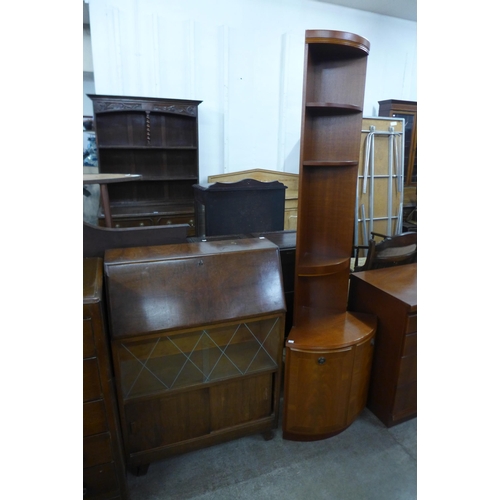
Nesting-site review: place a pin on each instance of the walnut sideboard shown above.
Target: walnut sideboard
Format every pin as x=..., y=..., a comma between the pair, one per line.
x=391, y=294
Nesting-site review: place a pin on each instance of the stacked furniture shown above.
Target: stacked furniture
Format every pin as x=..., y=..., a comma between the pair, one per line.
x=391, y=294
x=103, y=462
x=197, y=344
x=154, y=138
x=329, y=350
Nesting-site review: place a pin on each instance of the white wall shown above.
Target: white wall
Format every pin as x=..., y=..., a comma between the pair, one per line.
x=244, y=60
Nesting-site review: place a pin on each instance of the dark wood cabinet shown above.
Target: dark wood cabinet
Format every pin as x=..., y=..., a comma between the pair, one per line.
x=103, y=463
x=328, y=351
x=391, y=294
x=158, y=139
x=197, y=343
x=241, y=207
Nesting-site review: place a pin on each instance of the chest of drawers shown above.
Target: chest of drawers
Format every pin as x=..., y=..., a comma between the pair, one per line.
x=103, y=464
x=391, y=294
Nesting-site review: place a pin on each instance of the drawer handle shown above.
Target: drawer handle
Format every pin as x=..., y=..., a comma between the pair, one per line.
x=84, y=491
x=321, y=360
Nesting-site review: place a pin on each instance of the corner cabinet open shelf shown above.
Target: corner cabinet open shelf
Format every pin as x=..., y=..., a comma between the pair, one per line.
x=158, y=139
x=328, y=351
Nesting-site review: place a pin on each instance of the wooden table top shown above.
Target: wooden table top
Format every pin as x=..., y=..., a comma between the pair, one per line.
x=398, y=281
x=109, y=178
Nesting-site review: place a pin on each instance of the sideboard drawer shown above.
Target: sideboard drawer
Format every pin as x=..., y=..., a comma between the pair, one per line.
x=91, y=383
x=94, y=418
x=411, y=323
x=410, y=344
x=405, y=402
x=408, y=370
x=97, y=450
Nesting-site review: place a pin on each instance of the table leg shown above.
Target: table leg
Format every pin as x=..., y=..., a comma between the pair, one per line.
x=105, y=204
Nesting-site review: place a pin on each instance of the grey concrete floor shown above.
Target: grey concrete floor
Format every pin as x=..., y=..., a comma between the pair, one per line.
x=365, y=462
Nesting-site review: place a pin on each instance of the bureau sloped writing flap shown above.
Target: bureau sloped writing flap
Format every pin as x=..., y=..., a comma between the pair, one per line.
x=153, y=289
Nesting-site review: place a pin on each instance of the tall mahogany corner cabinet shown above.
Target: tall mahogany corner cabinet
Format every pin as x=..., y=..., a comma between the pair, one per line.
x=329, y=350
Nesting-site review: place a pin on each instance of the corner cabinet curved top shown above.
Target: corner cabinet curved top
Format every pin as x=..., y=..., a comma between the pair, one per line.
x=333, y=95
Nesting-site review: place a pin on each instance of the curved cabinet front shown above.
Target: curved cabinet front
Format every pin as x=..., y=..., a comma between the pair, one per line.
x=326, y=389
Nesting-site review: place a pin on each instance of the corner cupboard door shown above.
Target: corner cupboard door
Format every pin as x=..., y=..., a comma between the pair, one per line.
x=321, y=381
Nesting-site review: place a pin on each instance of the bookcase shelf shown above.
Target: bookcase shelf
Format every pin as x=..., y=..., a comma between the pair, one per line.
x=156, y=138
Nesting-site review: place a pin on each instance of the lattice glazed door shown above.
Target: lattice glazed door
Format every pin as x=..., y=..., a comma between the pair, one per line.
x=179, y=360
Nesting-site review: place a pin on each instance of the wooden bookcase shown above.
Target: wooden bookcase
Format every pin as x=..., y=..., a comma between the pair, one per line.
x=197, y=343
x=328, y=350
x=158, y=139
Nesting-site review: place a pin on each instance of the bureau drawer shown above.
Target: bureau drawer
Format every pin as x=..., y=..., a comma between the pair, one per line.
x=410, y=344
x=97, y=450
x=91, y=382
x=88, y=339
x=411, y=323
x=100, y=481
x=94, y=418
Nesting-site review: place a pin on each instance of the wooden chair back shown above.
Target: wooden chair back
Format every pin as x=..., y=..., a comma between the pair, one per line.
x=391, y=251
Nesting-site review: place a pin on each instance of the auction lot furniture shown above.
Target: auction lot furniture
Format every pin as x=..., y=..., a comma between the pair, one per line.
x=197, y=343
x=103, y=463
x=328, y=350
x=154, y=138
x=391, y=294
